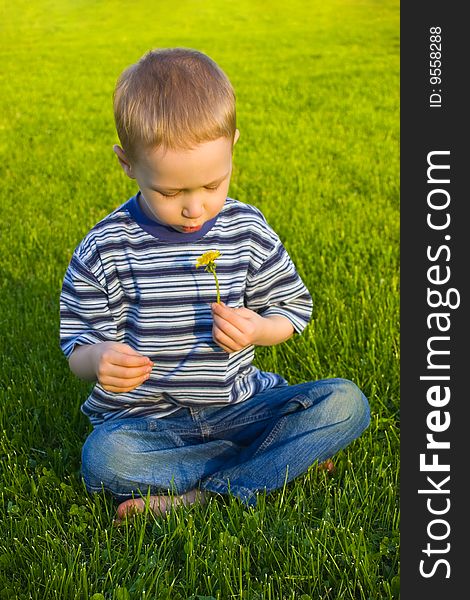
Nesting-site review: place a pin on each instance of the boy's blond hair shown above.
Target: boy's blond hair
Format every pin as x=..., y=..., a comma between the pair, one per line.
x=175, y=98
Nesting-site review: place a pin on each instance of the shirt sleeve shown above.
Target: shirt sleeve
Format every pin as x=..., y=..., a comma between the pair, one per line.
x=277, y=289
x=85, y=317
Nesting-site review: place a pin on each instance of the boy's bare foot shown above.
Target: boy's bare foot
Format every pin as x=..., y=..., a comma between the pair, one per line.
x=159, y=505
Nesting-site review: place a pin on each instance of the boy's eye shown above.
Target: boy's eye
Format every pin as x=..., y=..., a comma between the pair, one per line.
x=211, y=188
x=168, y=195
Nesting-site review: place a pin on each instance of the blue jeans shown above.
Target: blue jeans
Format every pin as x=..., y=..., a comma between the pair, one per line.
x=238, y=449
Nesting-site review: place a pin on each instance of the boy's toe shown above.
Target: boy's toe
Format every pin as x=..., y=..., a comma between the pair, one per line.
x=129, y=508
x=327, y=465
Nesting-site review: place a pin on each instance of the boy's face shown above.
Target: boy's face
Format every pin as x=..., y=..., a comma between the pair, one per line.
x=183, y=188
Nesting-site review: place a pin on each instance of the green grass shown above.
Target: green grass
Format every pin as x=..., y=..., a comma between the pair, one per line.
x=318, y=89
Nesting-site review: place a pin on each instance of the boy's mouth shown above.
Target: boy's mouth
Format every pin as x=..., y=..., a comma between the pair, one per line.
x=190, y=229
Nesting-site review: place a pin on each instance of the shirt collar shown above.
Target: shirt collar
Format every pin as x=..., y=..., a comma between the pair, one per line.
x=164, y=232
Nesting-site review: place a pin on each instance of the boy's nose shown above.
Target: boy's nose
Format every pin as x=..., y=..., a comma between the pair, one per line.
x=192, y=208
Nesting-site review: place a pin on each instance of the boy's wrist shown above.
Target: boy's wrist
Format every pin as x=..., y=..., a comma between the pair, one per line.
x=83, y=361
x=274, y=329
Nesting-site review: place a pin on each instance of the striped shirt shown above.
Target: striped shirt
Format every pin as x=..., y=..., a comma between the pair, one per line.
x=134, y=280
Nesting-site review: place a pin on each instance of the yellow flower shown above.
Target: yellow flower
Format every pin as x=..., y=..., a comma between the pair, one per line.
x=208, y=260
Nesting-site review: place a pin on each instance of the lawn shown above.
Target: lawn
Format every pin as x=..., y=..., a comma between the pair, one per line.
x=317, y=88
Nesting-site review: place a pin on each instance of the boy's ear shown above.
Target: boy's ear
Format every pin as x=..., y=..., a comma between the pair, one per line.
x=236, y=136
x=123, y=161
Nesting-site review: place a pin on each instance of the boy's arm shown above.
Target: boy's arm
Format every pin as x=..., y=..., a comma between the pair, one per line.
x=275, y=289
x=87, y=331
x=237, y=328
x=117, y=367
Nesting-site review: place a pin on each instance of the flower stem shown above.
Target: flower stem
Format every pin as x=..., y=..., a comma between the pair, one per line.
x=211, y=269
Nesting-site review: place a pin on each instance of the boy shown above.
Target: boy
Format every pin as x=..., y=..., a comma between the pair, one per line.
x=178, y=408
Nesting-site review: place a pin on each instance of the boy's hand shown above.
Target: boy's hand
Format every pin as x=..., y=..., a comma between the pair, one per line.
x=236, y=328
x=117, y=367
x=120, y=368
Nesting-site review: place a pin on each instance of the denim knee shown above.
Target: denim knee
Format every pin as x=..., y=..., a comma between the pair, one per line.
x=341, y=401
x=351, y=403
x=105, y=456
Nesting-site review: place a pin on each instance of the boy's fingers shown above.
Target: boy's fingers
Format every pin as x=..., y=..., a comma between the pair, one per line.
x=220, y=308
x=124, y=359
x=225, y=343
x=125, y=349
x=227, y=347
x=119, y=385
x=228, y=314
x=128, y=351
x=221, y=325
x=122, y=372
